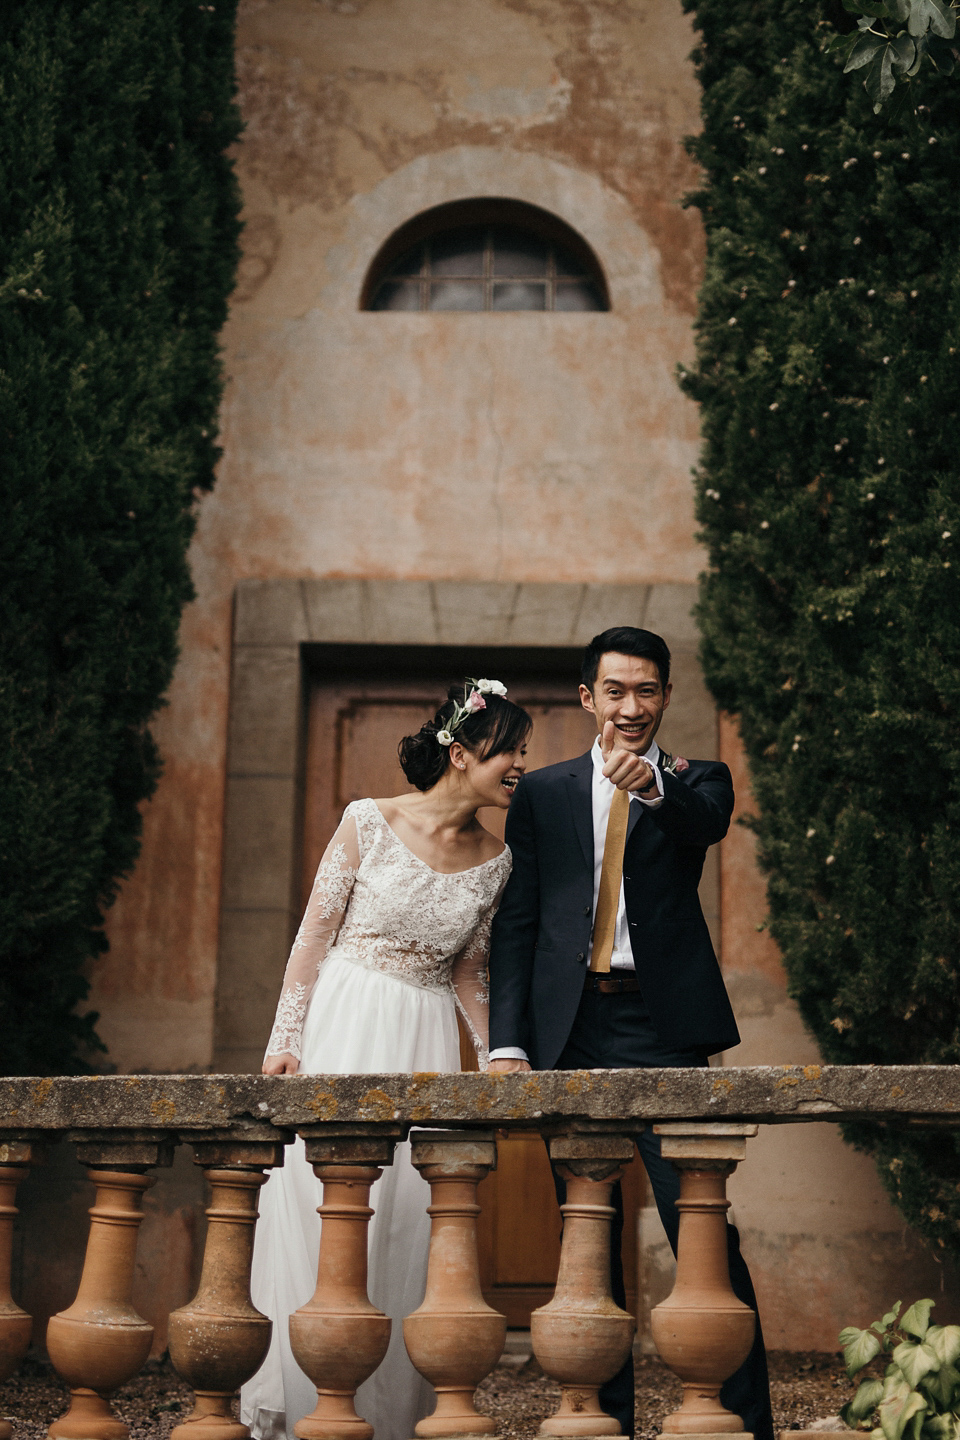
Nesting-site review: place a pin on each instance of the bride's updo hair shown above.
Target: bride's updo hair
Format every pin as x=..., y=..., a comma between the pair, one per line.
x=500, y=726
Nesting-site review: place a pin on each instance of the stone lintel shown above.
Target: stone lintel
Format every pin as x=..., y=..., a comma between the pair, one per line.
x=230, y=1154
x=691, y=1150
x=684, y=1142
x=25, y=1151
x=705, y=1132
x=130, y=1151
x=591, y=1147
x=454, y=1148
x=350, y=1150
x=593, y=1157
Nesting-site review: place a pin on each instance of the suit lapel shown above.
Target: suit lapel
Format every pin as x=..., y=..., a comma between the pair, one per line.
x=580, y=795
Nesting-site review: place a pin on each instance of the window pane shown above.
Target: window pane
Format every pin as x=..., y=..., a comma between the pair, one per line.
x=566, y=264
x=458, y=253
x=515, y=295
x=575, y=295
x=517, y=254
x=456, y=295
x=397, y=295
x=408, y=264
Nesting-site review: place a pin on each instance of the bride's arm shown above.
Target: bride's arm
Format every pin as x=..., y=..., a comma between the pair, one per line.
x=318, y=930
x=471, y=985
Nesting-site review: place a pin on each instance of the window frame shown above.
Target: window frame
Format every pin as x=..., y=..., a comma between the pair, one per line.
x=431, y=224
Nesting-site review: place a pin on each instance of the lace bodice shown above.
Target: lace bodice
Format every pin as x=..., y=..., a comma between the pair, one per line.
x=381, y=906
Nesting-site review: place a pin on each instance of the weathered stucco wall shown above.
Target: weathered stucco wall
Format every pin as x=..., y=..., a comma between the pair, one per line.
x=511, y=447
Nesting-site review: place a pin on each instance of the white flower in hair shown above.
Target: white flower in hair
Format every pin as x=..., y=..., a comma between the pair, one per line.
x=492, y=687
x=444, y=737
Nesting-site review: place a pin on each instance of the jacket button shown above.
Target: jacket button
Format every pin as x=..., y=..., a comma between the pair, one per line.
x=586, y=909
x=626, y=877
x=581, y=957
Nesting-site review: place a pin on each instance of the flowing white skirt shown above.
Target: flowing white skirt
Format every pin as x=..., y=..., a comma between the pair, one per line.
x=359, y=1021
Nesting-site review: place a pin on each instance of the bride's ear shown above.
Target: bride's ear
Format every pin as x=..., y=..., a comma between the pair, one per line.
x=457, y=757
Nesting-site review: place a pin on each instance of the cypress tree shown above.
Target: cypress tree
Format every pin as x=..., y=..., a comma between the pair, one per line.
x=118, y=245
x=828, y=375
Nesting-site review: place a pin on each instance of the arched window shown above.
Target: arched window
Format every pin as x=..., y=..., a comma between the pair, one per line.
x=485, y=255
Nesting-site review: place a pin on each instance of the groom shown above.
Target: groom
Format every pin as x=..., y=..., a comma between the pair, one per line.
x=600, y=955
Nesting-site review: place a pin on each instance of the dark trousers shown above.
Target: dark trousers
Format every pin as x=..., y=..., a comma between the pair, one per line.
x=613, y=1032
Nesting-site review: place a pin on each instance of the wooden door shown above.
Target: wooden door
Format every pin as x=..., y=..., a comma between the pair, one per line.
x=354, y=726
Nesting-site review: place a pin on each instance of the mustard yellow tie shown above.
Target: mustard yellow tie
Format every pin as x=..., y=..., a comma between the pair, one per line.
x=611, y=875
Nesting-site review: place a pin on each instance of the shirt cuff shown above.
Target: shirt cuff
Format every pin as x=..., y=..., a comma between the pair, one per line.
x=509, y=1052
x=654, y=800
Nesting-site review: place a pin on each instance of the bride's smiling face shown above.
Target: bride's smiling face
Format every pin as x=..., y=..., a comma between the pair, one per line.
x=495, y=779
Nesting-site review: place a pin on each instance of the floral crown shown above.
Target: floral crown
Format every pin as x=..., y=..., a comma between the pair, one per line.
x=473, y=693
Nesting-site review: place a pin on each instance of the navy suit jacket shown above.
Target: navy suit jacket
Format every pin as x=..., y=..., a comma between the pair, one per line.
x=541, y=933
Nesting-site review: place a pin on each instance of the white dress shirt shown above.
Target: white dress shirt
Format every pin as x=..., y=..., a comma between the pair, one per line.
x=602, y=798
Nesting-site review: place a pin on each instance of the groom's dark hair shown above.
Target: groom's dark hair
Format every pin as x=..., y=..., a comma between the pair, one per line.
x=625, y=640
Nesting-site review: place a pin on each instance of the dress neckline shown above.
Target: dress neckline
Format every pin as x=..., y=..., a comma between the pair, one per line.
x=470, y=870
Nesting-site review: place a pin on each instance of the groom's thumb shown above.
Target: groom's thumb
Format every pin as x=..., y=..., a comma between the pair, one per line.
x=606, y=738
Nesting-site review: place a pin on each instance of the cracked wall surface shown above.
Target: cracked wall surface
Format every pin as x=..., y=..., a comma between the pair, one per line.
x=448, y=446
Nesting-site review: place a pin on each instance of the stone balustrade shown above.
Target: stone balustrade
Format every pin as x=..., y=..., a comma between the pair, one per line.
x=237, y=1126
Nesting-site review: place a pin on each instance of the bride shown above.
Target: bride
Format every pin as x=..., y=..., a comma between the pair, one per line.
x=393, y=943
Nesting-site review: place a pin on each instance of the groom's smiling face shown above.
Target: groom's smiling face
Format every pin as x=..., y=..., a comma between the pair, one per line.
x=628, y=692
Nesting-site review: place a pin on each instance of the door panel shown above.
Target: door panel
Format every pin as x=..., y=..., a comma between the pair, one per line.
x=354, y=725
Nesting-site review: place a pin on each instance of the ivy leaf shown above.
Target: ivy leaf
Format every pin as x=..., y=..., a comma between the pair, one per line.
x=941, y=54
x=863, y=52
x=864, y=1403
x=941, y=1427
x=859, y=1348
x=916, y=1321
x=915, y=1361
x=904, y=49
x=841, y=42
x=900, y=103
x=882, y=1326
x=932, y=15
x=898, y=1409
x=944, y=1341
x=880, y=80
x=943, y=1387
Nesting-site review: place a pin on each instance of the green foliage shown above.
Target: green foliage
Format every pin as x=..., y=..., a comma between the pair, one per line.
x=891, y=42
x=829, y=498
x=920, y=1391
x=118, y=244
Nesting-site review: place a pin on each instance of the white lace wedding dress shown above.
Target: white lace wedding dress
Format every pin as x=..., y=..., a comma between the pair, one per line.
x=388, y=950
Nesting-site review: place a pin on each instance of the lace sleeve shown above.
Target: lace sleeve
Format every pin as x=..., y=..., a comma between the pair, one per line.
x=318, y=930
x=471, y=986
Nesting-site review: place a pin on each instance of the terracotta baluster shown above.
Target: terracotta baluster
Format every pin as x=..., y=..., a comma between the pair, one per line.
x=100, y=1342
x=455, y=1338
x=338, y=1338
x=219, y=1339
x=581, y=1338
x=15, y=1324
x=703, y=1332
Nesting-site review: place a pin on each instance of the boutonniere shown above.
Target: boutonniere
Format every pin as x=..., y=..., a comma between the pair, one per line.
x=674, y=764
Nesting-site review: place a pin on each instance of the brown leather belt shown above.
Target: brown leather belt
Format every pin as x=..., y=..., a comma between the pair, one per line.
x=611, y=984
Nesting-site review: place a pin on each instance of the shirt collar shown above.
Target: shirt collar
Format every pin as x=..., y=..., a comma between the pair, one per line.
x=652, y=756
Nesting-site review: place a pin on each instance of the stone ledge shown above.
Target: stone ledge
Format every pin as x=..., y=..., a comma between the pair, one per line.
x=546, y=1100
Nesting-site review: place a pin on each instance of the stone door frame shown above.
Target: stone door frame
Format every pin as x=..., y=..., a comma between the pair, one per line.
x=273, y=621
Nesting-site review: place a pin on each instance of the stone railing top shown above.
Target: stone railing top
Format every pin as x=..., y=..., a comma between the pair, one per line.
x=571, y=1099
